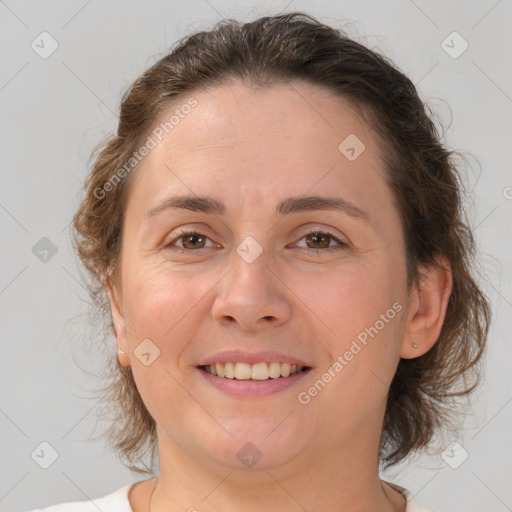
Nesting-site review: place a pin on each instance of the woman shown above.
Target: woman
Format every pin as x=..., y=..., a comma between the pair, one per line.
x=278, y=234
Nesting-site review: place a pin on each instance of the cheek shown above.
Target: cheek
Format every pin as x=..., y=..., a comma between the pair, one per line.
x=162, y=308
x=363, y=308
x=350, y=300
x=159, y=301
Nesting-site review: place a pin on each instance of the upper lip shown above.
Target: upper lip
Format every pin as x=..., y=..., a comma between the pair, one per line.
x=239, y=356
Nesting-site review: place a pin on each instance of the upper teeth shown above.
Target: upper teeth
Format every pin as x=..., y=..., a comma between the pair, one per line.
x=258, y=371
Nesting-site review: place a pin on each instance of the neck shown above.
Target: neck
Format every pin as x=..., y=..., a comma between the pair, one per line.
x=340, y=480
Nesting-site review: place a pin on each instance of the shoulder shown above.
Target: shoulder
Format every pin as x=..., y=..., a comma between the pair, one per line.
x=413, y=505
x=115, y=502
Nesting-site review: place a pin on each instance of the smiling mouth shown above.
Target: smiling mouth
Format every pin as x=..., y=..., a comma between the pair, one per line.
x=259, y=371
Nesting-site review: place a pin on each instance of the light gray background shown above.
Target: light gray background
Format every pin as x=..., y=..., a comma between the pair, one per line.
x=55, y=110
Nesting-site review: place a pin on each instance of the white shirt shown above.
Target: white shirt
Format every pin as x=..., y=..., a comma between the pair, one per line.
x=118, y=502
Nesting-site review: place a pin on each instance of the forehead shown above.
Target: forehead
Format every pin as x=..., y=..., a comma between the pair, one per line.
x=238, y=116
x=293, y=122
x=257, y=146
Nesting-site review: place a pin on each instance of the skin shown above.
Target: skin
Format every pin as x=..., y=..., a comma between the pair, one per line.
x=251, y=148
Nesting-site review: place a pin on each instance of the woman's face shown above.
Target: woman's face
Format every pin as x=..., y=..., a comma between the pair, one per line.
x=271, y=274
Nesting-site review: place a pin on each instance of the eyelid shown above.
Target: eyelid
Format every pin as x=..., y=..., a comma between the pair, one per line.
x=182, y=232
x=334, y=233
x=341, y=240
x=305, y=229
x=201, y=229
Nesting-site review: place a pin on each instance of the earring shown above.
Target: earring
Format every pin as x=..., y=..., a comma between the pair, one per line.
x=120, y=351
x=414, y=345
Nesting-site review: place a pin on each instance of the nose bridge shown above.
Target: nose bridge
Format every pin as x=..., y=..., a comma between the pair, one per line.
x=251, y=270
x=250, y=293
x=250, y=278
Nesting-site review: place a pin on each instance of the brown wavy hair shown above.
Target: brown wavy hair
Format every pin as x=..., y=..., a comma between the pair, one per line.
x=423, y=175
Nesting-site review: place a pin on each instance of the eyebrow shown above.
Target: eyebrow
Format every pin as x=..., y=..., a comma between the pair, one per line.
x=289, y=205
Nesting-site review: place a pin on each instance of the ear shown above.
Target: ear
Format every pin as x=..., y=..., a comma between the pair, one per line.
x=427, y=309
x=118, y=318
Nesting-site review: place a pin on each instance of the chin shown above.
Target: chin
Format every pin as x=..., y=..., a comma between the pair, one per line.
x=262, y=444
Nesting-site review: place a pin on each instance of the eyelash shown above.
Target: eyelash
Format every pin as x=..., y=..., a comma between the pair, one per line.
x=340, y=244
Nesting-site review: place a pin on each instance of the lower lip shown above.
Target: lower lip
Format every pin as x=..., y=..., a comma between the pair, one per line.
x=253, y=388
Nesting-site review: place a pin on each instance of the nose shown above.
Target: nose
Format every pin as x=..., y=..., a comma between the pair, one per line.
x=251, y=295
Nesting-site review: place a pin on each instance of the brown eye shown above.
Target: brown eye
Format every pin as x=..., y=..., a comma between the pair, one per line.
x=317, y=241
x=189, y=241
x=320, y=240
x=193, y=241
